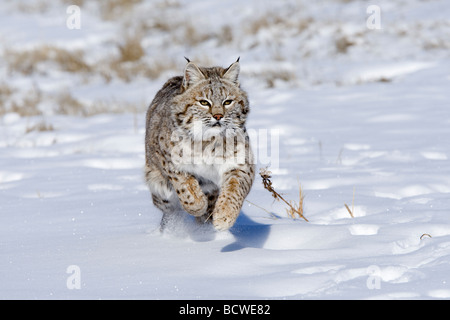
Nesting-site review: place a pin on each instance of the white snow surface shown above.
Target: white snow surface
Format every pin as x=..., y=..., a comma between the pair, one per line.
x=369, y=126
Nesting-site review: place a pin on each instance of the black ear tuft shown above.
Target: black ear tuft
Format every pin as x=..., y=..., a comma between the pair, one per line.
x=187, y=59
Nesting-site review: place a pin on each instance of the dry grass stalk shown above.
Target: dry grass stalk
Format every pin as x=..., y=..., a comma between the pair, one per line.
x=348, y=209
x=425, y=234
x=353, y=205
x=271, y=214
x=293, y=207
x=297, y=208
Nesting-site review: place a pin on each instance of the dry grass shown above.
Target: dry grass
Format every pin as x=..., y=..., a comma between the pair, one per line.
x=30, y=61
x=37, y=6
x=41, y=126
x=79, y=3
x=103, y=106
x=271, y=213
x=425, y=235
x=131, y=49
x=5, y=93
x=352, y=211
x=28, y=105
x=115, y=9
x=25, y=104
x=128, y=71
x=131, y=61
x=279, y=20
x=128, y=65
x=262, y=22
x=225, y=35
x=343, y=43
x=293, y=208
x=134, y=55
x=68, y=105
x=297, y=208
x=190, y=34
x=272, y=76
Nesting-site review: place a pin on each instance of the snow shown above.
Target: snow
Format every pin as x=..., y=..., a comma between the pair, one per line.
x=368, y=127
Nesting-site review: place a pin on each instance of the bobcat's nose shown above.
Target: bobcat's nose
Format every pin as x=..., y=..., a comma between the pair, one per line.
x=218, y=116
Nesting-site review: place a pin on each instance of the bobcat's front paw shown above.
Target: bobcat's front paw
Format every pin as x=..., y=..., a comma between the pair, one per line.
x=223, y=223
x=224, y=217
x=197, y=206
x=192, y=197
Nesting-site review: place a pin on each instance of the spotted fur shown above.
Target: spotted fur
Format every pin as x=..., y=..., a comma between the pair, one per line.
x=198, y=155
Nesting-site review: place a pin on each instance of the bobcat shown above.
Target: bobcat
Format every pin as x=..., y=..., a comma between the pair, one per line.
x=197, y=150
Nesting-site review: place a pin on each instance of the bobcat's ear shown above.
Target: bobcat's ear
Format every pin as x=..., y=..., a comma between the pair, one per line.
x=192, y=75
x=232, y=72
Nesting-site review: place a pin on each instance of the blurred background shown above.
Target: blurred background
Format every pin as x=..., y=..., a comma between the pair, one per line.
x=113, y=55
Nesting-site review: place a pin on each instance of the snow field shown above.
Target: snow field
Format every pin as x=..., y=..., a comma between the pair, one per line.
x=75, y=196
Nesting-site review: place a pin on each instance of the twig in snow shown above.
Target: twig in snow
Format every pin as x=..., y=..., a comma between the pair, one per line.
x=293, y=209
x=425, y=234
x=353, y=205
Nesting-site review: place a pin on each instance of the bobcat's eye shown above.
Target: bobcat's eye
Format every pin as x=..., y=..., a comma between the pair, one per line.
x=227, y=102
x=205, y=103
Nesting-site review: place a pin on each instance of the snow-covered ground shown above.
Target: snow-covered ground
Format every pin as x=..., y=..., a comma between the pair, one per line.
x=356, y=115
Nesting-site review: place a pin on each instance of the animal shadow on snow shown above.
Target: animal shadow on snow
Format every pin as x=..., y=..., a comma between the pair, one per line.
x=247, y=233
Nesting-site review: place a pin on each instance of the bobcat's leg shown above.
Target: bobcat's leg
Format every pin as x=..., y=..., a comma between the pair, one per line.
x=211, y=192
x=191, y=196
x=163, y=196
x=235, y=187
x=168, y=207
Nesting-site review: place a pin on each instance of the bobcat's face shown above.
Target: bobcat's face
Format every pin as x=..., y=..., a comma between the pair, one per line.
x=211, y=102
x=219, y=106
